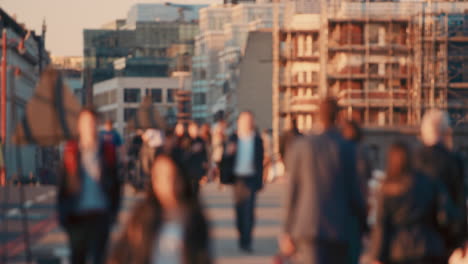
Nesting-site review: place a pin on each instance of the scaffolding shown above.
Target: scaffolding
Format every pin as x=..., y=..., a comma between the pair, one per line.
x=385, y=62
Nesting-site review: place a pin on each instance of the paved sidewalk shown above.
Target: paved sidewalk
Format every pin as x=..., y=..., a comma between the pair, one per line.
x=221, y=215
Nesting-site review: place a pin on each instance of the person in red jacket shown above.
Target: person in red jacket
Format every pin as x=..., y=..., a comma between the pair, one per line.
x=89, y=191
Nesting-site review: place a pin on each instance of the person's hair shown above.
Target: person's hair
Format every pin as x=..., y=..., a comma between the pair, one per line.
x=169, y=132
x=354, y=128
x=193, y=123
x=147, y=217
x=248, y=112
x=435, y=124
x=328, y=111
x=205, y=131
x=90, y=110
x=398, y=162
x=185, y=196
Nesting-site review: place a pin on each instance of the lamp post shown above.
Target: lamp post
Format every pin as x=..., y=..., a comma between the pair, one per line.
x=4, y=86
x=3, y=104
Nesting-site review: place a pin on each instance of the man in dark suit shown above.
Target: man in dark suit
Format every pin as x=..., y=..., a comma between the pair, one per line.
x=243, y=164
x=323, y=195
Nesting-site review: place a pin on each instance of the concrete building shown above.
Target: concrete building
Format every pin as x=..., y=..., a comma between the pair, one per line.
x=161, y=12
x=71, y=68
x=385, y=62
x=220, y=47
x=119, y=98
x=26, y=57
x=253, y=90
x=151, y=34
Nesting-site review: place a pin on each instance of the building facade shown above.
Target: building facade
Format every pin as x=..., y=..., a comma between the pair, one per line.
x=385, y=62
x=71, y=68
x=219, y=48
x=118, y=99
x=26, y=57
x=151, y=34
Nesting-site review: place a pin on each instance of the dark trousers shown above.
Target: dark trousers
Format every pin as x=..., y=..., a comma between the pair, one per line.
x=245, y=217
x=322, y=252
x=195, y=186
x=88, y=235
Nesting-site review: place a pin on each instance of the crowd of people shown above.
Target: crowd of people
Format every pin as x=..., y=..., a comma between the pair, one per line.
x=421, y=208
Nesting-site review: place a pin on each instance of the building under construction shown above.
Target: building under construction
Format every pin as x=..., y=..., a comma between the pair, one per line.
x=386, y=63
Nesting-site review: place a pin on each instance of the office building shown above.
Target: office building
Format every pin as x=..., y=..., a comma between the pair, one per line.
x=26, y=57
x=118, y=99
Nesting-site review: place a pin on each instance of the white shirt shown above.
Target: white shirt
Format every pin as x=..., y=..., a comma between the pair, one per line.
x=168, y=246
x=245, y=164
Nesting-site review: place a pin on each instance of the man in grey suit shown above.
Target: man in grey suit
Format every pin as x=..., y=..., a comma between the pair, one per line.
x=323, y=196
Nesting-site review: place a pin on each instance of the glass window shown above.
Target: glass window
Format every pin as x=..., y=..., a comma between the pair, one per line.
x=373, y=34
x=156, y=95
x=129, y=113
x=199, y=99
x=170, y=95
x=373, y=68
x=132, y=95
x=315, y=77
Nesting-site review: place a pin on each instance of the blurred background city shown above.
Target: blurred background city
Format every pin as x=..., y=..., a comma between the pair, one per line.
x=386, y=63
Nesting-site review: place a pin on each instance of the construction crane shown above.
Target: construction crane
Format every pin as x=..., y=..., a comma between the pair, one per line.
x=182, y=8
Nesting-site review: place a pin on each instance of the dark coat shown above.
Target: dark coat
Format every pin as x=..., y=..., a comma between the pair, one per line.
x=137, y=240
x=323, y=195
x=442, y=165
x=409, y=222
x=71, y=169
x=287, y=140
x=196, y=159
x=228, y=162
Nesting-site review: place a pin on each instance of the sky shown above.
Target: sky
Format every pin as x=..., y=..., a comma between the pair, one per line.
x=66, y=19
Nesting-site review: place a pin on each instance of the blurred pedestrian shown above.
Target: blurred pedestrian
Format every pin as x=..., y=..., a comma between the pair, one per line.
x=205, y=134
x=89, y=191
x=412, y=211
x=352, y=132
x=110, y=135
x=135, y=144
x=437, y=161
x=183, y=139
x=323, y=198
x=133, y=153
x=218, y=140
x=243, y=166
x=196, y=157
x=152, y=139
x=269, y=173
x=287, y=138
x=168, y=227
